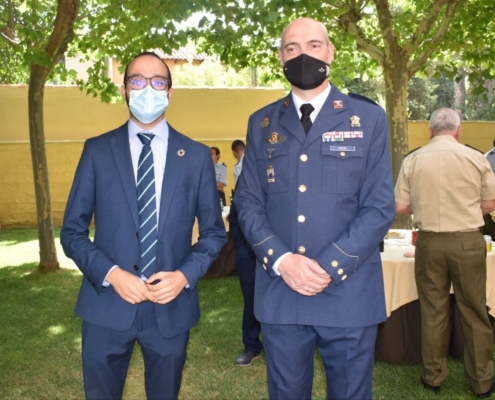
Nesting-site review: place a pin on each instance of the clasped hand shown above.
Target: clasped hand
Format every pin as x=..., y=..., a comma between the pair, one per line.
x=303, y=275
x=134, y=290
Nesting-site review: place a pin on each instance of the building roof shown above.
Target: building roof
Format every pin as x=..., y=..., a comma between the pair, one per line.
x=181, y=54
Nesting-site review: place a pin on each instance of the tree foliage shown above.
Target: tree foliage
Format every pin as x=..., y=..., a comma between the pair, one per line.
x=35, y=36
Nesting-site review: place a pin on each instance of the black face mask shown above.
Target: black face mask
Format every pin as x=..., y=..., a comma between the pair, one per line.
x=305, y=72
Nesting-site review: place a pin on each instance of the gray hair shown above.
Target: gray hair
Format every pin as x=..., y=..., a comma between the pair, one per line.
x=444, y=119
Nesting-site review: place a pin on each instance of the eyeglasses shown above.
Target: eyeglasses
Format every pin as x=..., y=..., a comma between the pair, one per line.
x=157, y=82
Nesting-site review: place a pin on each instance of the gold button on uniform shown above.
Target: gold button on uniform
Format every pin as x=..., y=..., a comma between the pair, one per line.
x=301, y=218
x=270, y=252
x=301, y=249
x=302, y=188
x=335, y=264
x=344, y=277
x=340, y=271
x=304, y=157
x=264, y=267
x=342, y=154
x=265, y=260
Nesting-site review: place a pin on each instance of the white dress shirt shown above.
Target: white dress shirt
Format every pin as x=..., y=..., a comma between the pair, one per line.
x=159, y=146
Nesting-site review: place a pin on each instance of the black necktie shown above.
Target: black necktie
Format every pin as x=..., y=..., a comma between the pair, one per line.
x=306, y=110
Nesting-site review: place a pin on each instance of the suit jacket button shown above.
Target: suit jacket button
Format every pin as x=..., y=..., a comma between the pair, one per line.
x=136, y=267
x=302, y=188
x=303, y=157
x=301, y=218
x=301, y=249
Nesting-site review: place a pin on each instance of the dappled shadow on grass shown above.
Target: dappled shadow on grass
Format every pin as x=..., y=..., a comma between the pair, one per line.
x=12, y=237
x=40, y=339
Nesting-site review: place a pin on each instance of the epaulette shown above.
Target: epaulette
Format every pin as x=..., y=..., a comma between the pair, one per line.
x=272, y=103
x=474, y=148
x=412, y=151
x=363, y=98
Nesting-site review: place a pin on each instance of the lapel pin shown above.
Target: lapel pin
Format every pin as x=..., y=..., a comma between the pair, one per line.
x=181, y=152
x=337, y=104
x=286, y=103
x=265, y=123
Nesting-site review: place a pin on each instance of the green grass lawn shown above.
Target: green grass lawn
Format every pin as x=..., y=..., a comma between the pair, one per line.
x=40, y=341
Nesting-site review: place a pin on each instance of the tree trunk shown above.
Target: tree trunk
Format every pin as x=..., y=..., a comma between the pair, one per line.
x=56, y=46
x=396, y=80
x=48, y=253
x=460, y=93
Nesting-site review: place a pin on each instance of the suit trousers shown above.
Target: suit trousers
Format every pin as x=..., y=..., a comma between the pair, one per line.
x=458, y=258
x=106, y=355
x=347, y=354
x=251, y=327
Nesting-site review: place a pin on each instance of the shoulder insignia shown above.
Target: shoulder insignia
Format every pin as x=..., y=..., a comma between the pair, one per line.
x=362, y=98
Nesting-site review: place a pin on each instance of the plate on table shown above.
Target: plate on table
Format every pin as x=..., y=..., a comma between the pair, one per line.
x=395, y=235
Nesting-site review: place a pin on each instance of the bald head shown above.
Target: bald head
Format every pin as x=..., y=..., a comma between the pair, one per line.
x=305, y=24
x=305, y=35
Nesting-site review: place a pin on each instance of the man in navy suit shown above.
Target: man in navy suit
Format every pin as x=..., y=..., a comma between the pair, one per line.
x=315, y=199
x=125, y=298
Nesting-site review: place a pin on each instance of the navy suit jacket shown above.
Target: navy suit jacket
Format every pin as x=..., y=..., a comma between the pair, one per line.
x=331, y=201
x=104, y=188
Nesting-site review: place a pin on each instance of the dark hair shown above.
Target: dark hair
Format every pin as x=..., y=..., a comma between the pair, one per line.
x=238, y=145
x=149, y=53
x=217, y=150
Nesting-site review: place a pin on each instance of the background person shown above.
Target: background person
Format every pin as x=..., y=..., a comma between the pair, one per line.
x=220, y=173
x=238, y=149
x=144, y=183
x=245, y=260
x=315, y=198
x=490, y=156
x=449, y=187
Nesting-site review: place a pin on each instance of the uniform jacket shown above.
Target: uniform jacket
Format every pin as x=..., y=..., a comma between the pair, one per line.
x=330, y=200
x=104, y=187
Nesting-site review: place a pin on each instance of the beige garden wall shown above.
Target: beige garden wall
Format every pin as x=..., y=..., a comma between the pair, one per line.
x=212, y=116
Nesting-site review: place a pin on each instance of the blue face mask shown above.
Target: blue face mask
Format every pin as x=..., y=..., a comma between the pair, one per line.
x=148, y=104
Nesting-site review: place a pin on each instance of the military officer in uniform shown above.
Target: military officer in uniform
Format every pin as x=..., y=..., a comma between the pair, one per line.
x=449, y=187
x=220, y=173
x=315, y=199
x=490, y=156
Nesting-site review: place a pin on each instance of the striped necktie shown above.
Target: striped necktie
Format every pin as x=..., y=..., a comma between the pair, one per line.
x=147, y=206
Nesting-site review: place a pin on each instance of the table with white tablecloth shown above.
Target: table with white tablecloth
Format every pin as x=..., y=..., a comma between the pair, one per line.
x=399, y=339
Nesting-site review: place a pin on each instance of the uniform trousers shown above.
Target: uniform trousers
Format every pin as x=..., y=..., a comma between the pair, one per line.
x=457, y=258
x=347, y=354
x=251, y=327
x=106, y=354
